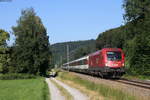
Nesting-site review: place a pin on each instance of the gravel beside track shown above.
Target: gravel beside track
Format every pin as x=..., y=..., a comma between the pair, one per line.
x=77, y=95
x=140, y=93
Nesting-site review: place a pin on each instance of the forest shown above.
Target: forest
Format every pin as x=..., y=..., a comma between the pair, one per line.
x=77, y=49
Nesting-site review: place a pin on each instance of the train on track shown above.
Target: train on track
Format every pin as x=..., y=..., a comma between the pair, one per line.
x=107, y=62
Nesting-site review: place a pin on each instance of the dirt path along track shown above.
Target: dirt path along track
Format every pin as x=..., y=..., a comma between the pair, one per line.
x=77, y=95
x=54, y=92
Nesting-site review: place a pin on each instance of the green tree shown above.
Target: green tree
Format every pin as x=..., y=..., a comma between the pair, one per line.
x=136, y=9
x=80, y=53
x=137, y=48
x=31, y=53
x=4, y=55
x=3, y=37
x=112, y=38
x=83, y=51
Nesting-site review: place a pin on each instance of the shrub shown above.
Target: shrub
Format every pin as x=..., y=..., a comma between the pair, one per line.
x=12, y=76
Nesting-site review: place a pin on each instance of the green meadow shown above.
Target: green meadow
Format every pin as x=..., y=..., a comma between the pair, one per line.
x=24, y=89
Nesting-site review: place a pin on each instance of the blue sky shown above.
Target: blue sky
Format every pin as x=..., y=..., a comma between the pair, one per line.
x=67, y=20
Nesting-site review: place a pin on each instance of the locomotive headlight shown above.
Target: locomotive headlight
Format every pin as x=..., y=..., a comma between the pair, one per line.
x=122, y=64
x=106, y=64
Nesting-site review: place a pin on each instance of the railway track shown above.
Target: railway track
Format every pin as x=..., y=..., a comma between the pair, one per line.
x=139, y=89
x=137, y=83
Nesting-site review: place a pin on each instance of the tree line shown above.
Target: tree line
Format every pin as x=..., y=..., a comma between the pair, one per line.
x=133, y=37
x=31, y=51
x=76, y=49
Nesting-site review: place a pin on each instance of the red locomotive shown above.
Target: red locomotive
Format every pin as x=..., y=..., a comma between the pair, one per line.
x=108, y=62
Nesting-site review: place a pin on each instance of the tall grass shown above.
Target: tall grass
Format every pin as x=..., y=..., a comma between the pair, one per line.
x=103, y=90
x=27, y=89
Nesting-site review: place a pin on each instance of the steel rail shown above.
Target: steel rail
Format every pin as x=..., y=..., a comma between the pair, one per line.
x=145, y=85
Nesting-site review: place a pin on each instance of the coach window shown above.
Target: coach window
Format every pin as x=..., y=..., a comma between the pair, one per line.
x=78, y=63
x=84, y=61
x=81, y=62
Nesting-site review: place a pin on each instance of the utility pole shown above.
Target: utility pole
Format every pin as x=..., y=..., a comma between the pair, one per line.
x=68, y=55
x=61, y=61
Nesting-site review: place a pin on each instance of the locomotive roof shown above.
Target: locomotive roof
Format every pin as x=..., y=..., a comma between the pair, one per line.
x=105, y=49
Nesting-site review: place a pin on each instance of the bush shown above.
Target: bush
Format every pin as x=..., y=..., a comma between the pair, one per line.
x=12, y=76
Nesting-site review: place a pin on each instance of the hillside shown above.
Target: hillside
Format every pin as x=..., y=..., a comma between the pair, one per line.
x=59, y=50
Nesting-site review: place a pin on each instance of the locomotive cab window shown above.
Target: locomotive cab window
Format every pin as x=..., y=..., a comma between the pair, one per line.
x=113, y=55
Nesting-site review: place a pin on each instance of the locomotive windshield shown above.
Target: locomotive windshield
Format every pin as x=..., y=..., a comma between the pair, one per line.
x=113, y=55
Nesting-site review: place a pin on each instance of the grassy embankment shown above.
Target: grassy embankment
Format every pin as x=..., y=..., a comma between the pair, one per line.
x=92, y=95
x=63, y=91
x=103, y=90
x=140, y=77
x=24, y=89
